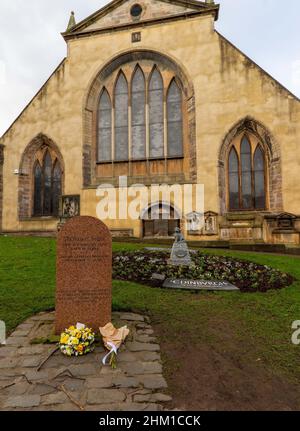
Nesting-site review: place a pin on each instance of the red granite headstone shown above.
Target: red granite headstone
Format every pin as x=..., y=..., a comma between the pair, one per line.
x=83, y=274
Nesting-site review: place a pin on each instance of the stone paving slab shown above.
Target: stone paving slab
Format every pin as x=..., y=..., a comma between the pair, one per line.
x=83, y=383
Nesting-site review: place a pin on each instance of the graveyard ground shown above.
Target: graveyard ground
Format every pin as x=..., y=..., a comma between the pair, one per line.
x=221, y=351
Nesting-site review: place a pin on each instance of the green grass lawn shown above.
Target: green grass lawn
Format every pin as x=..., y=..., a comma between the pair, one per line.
x=259, y=322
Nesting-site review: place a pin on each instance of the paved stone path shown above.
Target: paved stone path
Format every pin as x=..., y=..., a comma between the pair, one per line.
x=81, y=383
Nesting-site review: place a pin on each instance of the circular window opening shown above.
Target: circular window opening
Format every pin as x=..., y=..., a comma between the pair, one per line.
x=136, y=10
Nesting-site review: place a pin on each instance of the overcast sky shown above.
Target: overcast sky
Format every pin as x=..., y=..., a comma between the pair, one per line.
x=31, y=46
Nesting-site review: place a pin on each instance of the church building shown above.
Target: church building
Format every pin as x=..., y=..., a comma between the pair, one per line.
x=152, y=93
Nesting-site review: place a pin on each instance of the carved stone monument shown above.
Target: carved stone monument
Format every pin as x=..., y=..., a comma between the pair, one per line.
x=194, y=223
x=180, y=254
x=210, y=223
x=69, y=207
x=83, y=274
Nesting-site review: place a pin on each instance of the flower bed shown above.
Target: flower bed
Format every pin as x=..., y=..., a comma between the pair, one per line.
x=139, y=266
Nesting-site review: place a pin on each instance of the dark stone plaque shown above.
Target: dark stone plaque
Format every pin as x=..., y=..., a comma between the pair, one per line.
x=185, y=284
x=70, y=206
x=83, y=274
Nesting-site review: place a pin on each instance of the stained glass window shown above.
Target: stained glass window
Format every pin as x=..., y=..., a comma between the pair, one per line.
x=156, y=115
x=121, y=119
x=104, y=128
x=246, y=177
x=246, y=173
x=174, y=107
x=138, y=119
x=47, y=187
x=37, y=189
x=142, y=114
x=47, y=180
x=259, y=179
x=233, y=180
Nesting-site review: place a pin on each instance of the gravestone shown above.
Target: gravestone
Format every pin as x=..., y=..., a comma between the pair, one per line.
x=180, y=254
x=83, y=274
x=213, y=285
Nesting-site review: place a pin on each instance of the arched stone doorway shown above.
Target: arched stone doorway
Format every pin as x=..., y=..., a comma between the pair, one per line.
x=160, y=220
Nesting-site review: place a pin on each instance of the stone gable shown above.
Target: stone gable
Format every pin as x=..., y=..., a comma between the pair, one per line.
x=151, y=10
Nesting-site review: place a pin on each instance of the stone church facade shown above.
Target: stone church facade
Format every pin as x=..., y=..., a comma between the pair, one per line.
x=150, y=91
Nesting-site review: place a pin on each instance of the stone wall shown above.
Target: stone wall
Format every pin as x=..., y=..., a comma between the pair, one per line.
x=151, y=10
x=228, y=88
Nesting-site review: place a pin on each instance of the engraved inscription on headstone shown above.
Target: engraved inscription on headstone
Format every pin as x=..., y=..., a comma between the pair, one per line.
x=84, y=274
x=186, y=284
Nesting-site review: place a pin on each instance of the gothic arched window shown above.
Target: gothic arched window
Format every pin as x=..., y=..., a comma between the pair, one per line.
x=37, y=172
x=121, y=118
x=156, y=115
x=47, y=186
x=259, y=178
x=175, y=132
x=234, y=186
x=104, y=128
x=246, y=176
x=138, y=115
x=145, y=120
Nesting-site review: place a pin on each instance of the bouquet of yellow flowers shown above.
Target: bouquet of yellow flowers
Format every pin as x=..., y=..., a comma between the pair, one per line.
x=77, y=340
